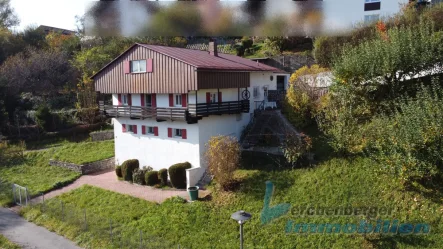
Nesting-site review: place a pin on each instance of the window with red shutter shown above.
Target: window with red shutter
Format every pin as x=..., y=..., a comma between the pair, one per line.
x=126, y=67
x=149, y=65
x=142, y=98
x=129, y=99
x=208, y=97
x=169, y=132
x=154, y=100
x=143, y=130
x=171, y=100
x=184, y=100
x=134, y=129
x=220, y=97
x=184, y=135
x=123, y=128
x=119, y=99
x=156, y=131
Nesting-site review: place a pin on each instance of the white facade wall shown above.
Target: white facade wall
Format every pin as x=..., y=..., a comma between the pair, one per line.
x=156, y=151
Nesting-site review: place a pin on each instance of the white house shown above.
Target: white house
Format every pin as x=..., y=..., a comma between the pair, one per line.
x=167, y=102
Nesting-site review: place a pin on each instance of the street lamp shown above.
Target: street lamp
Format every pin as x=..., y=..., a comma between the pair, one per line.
x=241, y=217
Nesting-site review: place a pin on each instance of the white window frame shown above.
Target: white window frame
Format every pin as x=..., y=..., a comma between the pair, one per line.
x=137, y=66
x=255, y=92
x=178, y=100
x=148, y=103
x=177, y=132
x=213, y=98
x=130, y=128
x=125, y=99
x=150, y=130
x=372, y=1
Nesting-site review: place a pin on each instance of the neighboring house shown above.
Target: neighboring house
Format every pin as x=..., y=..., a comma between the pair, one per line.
x=48, y=29
x=167, y=102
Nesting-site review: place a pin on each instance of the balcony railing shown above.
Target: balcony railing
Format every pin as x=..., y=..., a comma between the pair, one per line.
x=142, y=112
x=228, y=107
x=190, y=114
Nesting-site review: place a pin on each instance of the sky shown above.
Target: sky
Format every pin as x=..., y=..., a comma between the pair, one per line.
x=55, y=13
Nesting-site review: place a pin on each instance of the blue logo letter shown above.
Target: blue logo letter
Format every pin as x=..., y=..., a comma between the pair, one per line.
x=271, y=213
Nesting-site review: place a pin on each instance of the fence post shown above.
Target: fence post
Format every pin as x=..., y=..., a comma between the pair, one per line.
x=26, y=196
x=86, y=223
x=13, y=193
x=20, y=195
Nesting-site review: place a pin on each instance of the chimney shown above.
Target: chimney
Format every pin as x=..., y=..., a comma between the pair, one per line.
x=213, y=48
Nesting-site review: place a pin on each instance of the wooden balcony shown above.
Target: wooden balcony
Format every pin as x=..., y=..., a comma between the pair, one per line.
x=142, y=112
x=191, y=114
x=228, y=107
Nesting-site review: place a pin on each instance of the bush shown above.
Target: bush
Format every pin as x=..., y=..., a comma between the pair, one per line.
x=163, y=176
x=247, y=42
x=177, y=174
x=151, y=178
x=44, y=118
x=138, y=177
x=295, y=146
x=118, y=171
x=128, y=167
x=223, y=158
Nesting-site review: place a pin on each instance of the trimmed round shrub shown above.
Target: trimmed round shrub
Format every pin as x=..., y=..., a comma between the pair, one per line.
x=138, y=176
x=128, y=167
x=118, y=171
x=151, y=178
x=163, y=176
x=177, y=174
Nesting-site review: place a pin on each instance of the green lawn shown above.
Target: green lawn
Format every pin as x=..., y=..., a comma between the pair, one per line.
x=81, y=153
x=34, y=172
x=335, y=182
x=6, y=244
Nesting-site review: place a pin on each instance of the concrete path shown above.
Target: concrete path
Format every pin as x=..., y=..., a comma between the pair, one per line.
x=108, y=180
x=29, y=235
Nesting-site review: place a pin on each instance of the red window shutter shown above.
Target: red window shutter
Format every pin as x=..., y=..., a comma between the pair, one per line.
x=129, y=100
x=169, y=132
x=184, y=100
x=208, y=98
x=134, y=129
x=149, y=65
x=119, y=99
x=171, y=100
x=126, y=66
x=143, y=129
x=184, y=136
x=123, y=128
x=154, y=100
x=220, y=97
x=156, y=131
x=142, y=96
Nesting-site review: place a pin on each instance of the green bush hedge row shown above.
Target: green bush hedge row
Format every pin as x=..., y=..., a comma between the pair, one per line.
x=177, y=174
x=128, y=168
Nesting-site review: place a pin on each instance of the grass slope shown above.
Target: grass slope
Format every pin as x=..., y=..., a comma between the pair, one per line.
x=6, y=244
x=33, y=172
x=81, y=153
x=335, y=182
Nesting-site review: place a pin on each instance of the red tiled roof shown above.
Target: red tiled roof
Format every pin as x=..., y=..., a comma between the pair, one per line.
x=204, y=60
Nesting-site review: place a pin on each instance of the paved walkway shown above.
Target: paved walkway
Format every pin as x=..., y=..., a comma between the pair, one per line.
x=29, y=235
x=108, y=180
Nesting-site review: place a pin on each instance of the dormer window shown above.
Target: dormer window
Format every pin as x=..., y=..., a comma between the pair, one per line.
x=138, y=66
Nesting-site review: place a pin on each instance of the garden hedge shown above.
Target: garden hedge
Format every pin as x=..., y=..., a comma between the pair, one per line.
x=151, y=178
x=118, y=171
x=163, y=176
x=128, y=167
x=177, y=174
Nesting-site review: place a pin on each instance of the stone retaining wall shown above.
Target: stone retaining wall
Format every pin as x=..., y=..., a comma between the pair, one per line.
x=88, y=168
x=102, y=135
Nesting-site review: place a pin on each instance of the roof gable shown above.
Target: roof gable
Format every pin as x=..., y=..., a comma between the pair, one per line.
x=202, y=60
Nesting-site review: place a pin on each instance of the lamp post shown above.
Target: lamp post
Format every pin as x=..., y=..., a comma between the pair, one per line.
x=241, y=217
